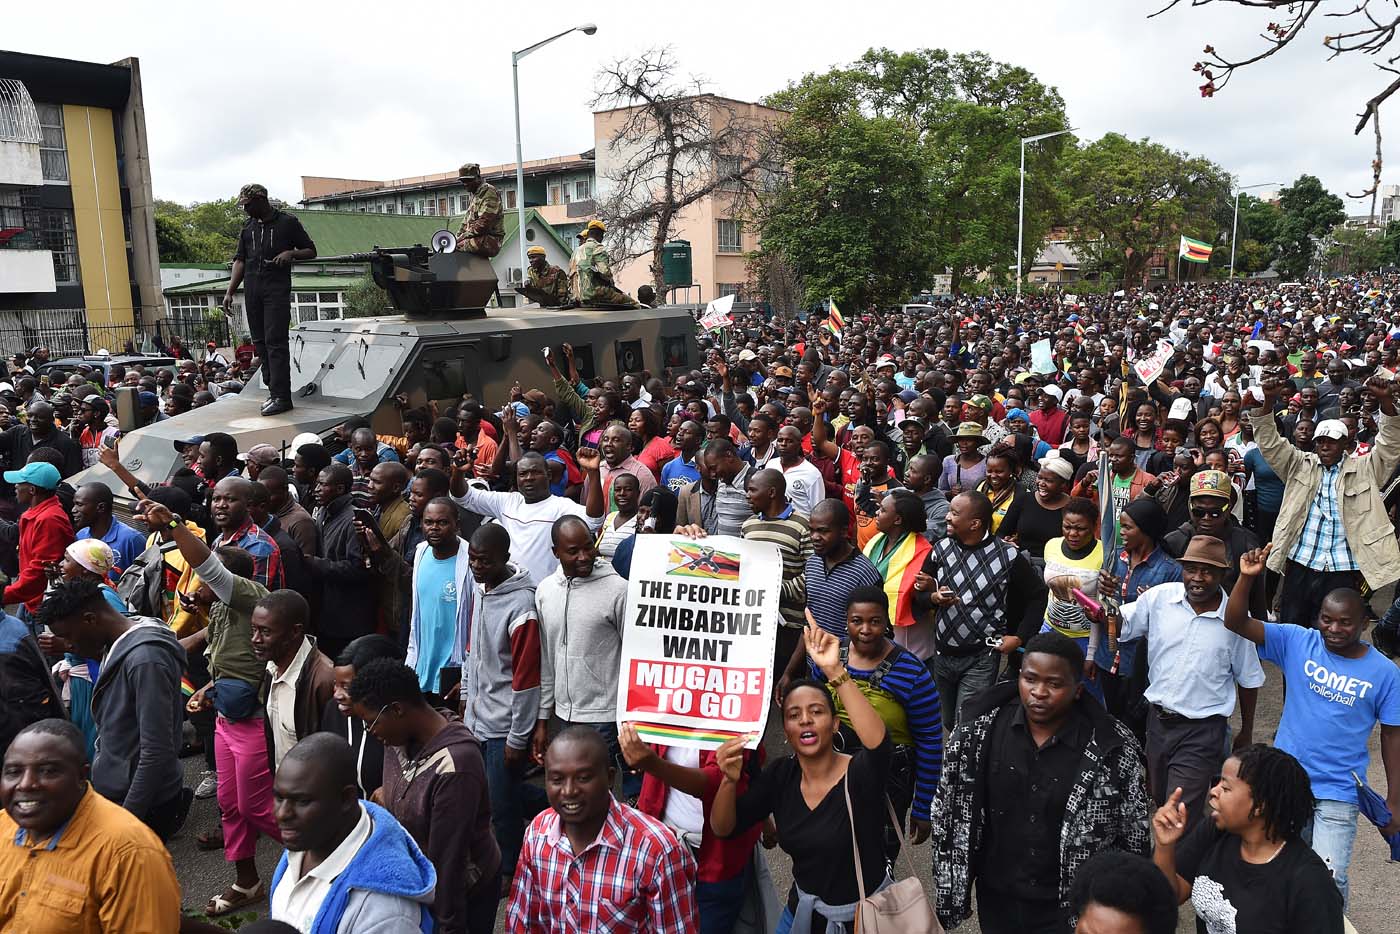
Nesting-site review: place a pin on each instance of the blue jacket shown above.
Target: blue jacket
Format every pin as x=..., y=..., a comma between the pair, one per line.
x=389, y=863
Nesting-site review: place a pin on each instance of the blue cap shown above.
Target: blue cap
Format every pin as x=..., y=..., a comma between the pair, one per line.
x=1018, y=414
x=521, y=409
x=147, y=398
x=40, y=474
x=196, y=439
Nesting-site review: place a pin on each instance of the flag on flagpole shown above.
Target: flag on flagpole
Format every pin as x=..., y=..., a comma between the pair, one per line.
x=1195, y=251
x=834, y=322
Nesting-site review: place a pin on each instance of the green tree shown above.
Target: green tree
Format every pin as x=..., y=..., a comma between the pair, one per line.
x=365, y=299
x=1390, y=254
x=850, y=215
x=970, y=113
x=1308, y=211
x=1354, y=250
x=1130, y=197
x=202, y=232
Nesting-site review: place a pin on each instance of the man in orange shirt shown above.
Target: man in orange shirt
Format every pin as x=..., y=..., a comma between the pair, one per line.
x=72, y=862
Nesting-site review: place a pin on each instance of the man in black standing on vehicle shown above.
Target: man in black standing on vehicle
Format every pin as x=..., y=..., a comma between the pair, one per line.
x=270, y=242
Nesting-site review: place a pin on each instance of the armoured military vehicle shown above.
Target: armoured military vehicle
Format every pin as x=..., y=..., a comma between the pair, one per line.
x=444, y=345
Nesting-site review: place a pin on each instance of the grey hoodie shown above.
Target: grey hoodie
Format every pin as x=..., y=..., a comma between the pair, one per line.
x=139, y=712
x=501, y=662
x=936, y=512
x=581, y=643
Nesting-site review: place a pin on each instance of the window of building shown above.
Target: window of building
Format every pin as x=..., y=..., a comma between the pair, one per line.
x=57, y=233
x=318, y=306
x=729, y=236
x=408, y=207
x=1158, y=272
x=554, y=194
x=510, y=199
x=444, y=206
x=432, y=208
x=53, y=151
x=727, y=168
x=583, y=189
x=389, y=208
x=730, y=288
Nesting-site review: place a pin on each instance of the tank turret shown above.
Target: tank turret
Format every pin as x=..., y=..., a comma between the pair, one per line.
x=425, y=283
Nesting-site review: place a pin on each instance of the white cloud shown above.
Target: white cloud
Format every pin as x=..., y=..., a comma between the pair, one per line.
x=237, y=92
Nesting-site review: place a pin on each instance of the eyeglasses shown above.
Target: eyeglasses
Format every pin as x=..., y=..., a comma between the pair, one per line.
x=1198, y=513
x=370, y=729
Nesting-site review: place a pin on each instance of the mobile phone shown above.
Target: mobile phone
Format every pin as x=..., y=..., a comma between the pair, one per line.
x=1091, y=606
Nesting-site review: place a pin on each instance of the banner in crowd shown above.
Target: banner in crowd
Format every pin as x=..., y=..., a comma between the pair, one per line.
x=1042, y=359
x=716, y=314
x=1150, y=366
x=698, y=641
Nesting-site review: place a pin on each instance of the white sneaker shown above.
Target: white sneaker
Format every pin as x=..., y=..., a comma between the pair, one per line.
x=208, y=785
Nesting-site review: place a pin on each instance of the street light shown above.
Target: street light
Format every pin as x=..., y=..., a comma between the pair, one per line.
x=1021, y=203
x=587, y=29
x=1235, y=224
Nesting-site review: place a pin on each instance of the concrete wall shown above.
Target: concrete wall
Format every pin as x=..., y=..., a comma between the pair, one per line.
x=136, y=168
x=26, y=271
x=19, y=165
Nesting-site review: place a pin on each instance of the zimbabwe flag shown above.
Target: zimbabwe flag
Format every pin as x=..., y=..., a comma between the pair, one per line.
x=834, y=322
x=1195, y=251
x=696, y=560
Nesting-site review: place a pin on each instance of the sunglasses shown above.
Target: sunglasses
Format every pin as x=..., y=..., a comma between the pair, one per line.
x=1200, y=513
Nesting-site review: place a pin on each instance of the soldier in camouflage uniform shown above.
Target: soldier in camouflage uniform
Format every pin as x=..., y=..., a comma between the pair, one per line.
x=545, y=285
x=483, y=228
x=595, y=280
x=573, y=265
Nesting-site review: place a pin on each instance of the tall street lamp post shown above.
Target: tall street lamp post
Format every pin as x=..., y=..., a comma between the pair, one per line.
x=587, y=29
x=1235, y=224
x=1021, y=202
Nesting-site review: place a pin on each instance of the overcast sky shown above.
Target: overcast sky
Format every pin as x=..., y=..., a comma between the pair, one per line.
x=273, y=91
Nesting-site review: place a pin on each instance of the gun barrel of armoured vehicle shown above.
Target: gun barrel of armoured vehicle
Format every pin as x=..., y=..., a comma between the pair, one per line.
x=422, y=283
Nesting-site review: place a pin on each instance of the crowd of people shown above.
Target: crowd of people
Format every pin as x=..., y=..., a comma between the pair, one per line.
x=1022, y=597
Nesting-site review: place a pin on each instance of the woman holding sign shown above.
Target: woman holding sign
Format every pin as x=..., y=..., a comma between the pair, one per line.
x=807, y=793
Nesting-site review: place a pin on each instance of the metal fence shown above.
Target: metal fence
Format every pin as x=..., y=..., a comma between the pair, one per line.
x=67, y=332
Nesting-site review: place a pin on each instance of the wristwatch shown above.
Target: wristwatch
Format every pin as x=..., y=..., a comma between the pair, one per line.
x=175, y=521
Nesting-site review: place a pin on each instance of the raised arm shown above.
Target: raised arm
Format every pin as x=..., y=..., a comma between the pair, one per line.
x=824, y=650
x=1237, y=618
x=820, y=445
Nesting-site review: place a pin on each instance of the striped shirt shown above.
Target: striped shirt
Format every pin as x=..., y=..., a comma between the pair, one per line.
x=789, y=531
x=1322, y=545
x=732, y=503
x=909, y=682
x=829, y=592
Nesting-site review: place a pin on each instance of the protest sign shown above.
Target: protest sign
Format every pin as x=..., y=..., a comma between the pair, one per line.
x=716, y=314
x=1150, y=366
x=1042, y=360
x=698, y=641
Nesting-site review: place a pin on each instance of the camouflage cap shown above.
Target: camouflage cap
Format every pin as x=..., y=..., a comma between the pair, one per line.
x=252, y=190
x=469, y=169
x=535, y=251
x=1214, y=483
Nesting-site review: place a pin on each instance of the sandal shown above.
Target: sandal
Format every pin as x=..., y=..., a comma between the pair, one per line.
x=210, y=840
x=234, y=898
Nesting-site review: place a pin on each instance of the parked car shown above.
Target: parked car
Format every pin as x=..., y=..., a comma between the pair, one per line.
x=58, y=370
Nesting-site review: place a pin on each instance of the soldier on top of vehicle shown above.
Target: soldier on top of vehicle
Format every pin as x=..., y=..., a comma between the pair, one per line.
x=483, y=229
x=545, y=284
x=595, y=285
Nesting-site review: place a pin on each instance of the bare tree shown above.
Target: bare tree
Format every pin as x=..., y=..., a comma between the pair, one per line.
x=676, y=144
x=1359, y=29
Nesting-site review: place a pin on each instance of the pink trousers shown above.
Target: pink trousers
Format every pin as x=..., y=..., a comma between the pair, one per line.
x=245, y=785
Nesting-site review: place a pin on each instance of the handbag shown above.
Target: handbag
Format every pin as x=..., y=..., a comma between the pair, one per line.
x=902, y=908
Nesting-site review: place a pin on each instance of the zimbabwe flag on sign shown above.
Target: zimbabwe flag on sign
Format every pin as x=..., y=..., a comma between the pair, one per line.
x=1195, y=251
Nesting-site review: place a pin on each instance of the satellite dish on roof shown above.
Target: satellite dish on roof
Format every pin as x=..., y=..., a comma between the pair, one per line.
x=444, y=241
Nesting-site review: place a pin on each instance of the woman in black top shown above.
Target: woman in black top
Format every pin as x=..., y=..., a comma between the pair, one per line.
x=1247, y=869
x=806, y=793
x=1033, y=521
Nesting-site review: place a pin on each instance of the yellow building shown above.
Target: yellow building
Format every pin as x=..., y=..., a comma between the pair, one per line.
x=79, y=267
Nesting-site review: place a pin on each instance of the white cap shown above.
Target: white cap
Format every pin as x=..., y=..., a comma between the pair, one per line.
x=1053, y=390
x=1333, y=428
x=1180, y=411
x=306, y=437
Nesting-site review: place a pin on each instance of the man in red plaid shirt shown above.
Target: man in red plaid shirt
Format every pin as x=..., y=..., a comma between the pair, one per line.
x=631, y=873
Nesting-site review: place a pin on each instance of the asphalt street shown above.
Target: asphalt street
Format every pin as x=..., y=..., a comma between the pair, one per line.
x=1375, y=898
